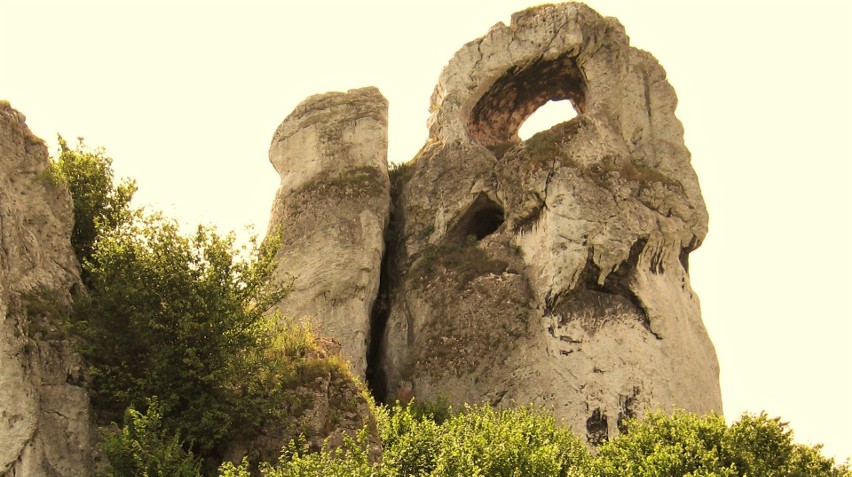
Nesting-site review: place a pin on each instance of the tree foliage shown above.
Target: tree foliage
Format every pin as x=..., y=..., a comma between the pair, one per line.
x=99, y=204
x=177, y=317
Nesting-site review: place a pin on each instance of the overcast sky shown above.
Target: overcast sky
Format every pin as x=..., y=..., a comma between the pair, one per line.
x=185, y=97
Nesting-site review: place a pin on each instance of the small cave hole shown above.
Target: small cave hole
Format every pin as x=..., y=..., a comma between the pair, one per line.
x=547, y=116
x=482, y=218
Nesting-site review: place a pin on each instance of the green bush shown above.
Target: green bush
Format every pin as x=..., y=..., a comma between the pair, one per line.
x=687, y=444
x=350, y=460
x=143, y=447
x=479, y=441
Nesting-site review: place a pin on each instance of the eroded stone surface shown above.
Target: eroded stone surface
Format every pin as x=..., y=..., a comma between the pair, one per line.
x=331, y=211
x=552, y=270
x=45, y=423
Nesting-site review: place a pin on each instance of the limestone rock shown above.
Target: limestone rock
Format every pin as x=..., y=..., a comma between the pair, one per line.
x=331, y=212
x=552, y=270
x=45, y=423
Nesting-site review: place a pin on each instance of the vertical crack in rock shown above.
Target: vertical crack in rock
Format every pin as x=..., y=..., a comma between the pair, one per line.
x=626, y=409
x=375, y=376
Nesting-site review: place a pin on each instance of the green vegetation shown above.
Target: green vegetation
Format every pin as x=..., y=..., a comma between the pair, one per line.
x=173, y=329
x=98, y=204
x=143, y=447
x=686, y=444
x=527, y=441
x=400, y=173
x=177, y=317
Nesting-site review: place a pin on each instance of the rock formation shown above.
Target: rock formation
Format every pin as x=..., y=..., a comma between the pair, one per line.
x=331, y=212
x=45, y=426
x=552, y=270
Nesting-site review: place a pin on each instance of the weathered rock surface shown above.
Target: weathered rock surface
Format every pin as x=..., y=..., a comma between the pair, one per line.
x=45, y=424
x=331, y=211
x=552, y=270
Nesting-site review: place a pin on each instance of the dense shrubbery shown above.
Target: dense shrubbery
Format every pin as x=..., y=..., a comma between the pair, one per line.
x=686, y=444
x=179, y=318
x=526, y=441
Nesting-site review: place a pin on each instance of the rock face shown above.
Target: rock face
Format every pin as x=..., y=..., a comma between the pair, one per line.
x=552, y=270
x=45, y=425
x=331, y=212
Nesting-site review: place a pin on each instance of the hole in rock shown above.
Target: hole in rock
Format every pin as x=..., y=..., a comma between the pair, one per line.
x=482, y=218
x=520, y=92
x=547, y=116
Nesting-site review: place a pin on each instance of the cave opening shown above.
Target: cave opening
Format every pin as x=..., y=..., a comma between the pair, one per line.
x=547, y=116
x=482, y=218
x=498, y=114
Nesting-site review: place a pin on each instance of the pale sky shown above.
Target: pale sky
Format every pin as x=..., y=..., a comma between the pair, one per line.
x=186, y=95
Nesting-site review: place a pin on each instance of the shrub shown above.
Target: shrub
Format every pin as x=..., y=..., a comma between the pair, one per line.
x=143, y=447
x=687, y=444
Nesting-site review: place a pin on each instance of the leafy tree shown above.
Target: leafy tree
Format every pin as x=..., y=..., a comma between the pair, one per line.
x=177, y=317
x=99, y=204
x=142, y=447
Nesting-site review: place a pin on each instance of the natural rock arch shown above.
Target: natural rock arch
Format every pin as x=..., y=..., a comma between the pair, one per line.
x=519, y=92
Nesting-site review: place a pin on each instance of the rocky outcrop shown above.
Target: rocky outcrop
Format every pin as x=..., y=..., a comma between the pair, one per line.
x=331, y=212
x=552, y=270
x=45, y=425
